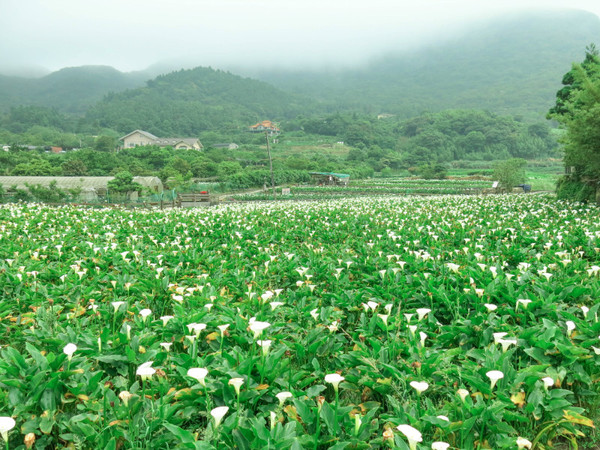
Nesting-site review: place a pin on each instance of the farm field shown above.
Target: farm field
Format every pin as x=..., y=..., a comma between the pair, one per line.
x=541, y=174
x=373, y=322
x=377, y=186
x=540, y=179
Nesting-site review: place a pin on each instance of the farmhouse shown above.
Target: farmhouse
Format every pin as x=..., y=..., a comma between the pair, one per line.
x=139, y=138
x=265, y=126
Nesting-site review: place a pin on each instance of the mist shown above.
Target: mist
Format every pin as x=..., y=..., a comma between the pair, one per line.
x=41, y=35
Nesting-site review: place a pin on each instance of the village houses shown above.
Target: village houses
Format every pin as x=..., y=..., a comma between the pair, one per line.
x=139, y=138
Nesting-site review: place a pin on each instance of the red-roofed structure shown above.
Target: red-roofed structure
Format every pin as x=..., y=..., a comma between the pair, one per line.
x=265, y=126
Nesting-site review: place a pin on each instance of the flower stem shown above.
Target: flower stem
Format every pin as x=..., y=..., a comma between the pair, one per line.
x=388, y=344
x=262, y=367
x=208, y=402
x=237, y=416
x=337, y=401
x=318, y=429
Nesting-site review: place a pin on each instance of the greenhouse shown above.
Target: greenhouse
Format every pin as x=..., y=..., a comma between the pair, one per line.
x=88, y=188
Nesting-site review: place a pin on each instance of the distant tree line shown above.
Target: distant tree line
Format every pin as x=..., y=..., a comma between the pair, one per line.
x=240, y=168
x=426, y=142
x=434, y=138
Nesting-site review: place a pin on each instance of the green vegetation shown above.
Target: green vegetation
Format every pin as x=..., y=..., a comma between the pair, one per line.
x=332, y=324
x=510, y=173
x=350, y=143
x=123, y=183
x=379, y=187
x=435, y=137
x=71, y=90
x=217, y=107
x=508, y=66
x=578, y=110
x=381, y=130
x=363, y=318
x=187, y=102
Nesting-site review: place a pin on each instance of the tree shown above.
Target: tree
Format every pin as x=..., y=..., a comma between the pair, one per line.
x=74, y=167
x=432, y=172
x=573, y=83
x=209, y=138
x=227, y=168
x=577, y=109
x=105, y=144
x=474, y=142
x=36, y=167
x=510, y=173
x=179, y=164
x=204, y=168
x=123, y=183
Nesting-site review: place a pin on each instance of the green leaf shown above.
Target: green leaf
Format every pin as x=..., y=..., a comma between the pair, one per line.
x=183, y=435
x=111, y=359
x=315, y=390
x=340, y=445
x=37, y=356
x=468, y=425
x=538, y=354
x=46, y=425
x=48, y=400
x=328, y=416
x=241, y=440
x=16, y=357
x=260, y=429
x=305, y=411
x=536, y=397
x=501, y=427
x=557, y=403
x=574, y=417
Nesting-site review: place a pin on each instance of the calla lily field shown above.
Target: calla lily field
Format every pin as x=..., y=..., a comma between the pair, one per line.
x=442, y=322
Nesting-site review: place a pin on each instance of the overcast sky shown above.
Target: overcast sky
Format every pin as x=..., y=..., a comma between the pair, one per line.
x=133, y=34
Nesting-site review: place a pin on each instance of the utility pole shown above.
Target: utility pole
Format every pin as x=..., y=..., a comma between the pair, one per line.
x=270, y=163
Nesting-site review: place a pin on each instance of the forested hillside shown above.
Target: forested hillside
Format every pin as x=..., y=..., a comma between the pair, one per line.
x=512, y=66
x=433, y=137
x=187, y=102
x=70, y=90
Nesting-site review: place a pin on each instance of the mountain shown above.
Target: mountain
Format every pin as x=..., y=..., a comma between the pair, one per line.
x=72, y=90
x=513, y=65
x=510, y=66
x=187, y=102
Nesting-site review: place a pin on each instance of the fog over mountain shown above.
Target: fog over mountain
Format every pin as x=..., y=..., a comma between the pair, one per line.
x=509, y=65
x=135, y=34
x=513, y=64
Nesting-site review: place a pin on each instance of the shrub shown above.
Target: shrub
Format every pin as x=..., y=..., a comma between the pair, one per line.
x=510, y=173
x=432, y=172
x=569, y=188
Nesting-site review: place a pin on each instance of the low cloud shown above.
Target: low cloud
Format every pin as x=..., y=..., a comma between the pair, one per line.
x=134, y=34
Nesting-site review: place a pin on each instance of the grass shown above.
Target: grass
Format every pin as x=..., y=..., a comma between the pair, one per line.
x=541, y=174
